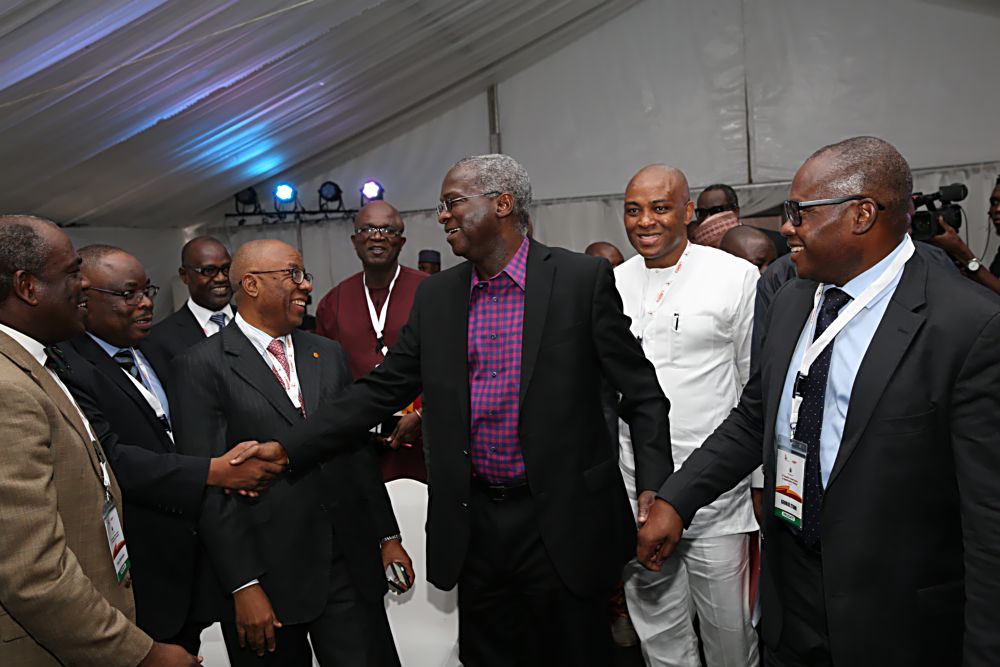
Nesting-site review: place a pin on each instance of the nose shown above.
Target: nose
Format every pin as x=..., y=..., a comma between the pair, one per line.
x=84, y=283
x=444, y=215
x=306, y=286
x=787, y=229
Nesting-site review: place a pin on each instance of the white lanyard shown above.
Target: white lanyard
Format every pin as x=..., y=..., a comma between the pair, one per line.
x=151, y=398
x=378, y=320
x=843, y=319
x=646, y=314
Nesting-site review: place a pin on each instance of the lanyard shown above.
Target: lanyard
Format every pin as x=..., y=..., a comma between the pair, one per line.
x=843, y=319
x=151, y=398
x=290, y=381
x=378, y=320
x=647, y=314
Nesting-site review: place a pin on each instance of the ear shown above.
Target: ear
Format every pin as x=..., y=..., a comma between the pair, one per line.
x=505, y=205
x=688, y=212
x=867, y=213
x=402, y=242
x=25, y=287
x=182, y=272
x=250, y=285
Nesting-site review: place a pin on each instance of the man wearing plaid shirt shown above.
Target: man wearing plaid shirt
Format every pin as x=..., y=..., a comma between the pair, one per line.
x=528, y=513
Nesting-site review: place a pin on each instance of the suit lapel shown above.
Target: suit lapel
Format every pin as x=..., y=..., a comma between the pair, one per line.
x=92, y=352
x=788, y=316
x=538, y=289
x=309, y=369
x=891, y=341
x=250, y=366
x=453, y=330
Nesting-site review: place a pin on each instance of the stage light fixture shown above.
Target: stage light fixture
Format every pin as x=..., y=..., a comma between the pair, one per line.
x=371, y=191
x=330, y=193
x=284, y=193
x=247, y=201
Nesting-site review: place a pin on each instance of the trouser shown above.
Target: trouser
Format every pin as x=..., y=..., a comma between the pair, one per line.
x=513, y=608
x=351, y=631
x=708, y=576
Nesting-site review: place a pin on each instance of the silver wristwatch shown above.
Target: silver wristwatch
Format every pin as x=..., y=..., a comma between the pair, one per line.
x=973, y=265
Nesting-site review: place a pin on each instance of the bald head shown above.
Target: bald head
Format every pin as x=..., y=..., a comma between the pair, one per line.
x=378, y=213
x=256, y=256
x=606, y=250
x=263, y=275
x=199, y=245
x=750, y=244
x=671, y=177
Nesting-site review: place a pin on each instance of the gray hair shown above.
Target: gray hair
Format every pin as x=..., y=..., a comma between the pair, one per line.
x=496, y=172
x=95, y=252
x=872, y=167
x=22, y=248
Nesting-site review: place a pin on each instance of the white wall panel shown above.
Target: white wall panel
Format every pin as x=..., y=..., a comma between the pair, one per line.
x=662, y=82
x=921, y=74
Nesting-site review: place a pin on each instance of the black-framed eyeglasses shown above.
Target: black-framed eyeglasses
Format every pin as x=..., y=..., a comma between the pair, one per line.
x=793, y=209
x=702, y=213
x=210, y=271
x=448, y=203
x=386, y=232
x=132, y=296
x=295, y=273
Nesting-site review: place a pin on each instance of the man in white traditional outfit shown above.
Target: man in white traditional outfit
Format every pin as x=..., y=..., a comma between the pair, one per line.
x=692, y=310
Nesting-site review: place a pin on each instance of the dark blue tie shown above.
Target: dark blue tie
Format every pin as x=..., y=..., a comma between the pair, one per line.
x=219, y=320
x=124, y=358
x=810, y=423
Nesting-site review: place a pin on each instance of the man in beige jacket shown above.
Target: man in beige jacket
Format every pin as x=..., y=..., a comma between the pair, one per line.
x=62, y=600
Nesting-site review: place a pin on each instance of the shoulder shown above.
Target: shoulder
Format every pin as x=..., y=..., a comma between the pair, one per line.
x=316, y=342
x=204, y=351
x=952, y=296
x=412, y=276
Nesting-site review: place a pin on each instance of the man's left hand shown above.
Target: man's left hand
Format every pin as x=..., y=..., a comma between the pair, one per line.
x=407, y=431
x=393, y=552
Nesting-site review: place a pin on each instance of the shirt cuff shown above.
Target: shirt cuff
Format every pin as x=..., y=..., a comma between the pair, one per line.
x=246, y=585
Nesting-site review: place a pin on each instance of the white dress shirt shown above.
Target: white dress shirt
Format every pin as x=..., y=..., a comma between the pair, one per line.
x=698, y=340
x=203, y=314
x=849, y=348
x=260, y=340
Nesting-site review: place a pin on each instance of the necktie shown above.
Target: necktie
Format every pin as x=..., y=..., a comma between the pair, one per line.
x=277, y=348
x=124, y=358
x=810, y=423
x=55, y=361
x=219, y=320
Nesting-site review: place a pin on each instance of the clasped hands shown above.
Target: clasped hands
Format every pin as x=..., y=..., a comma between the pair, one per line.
x=659, y=533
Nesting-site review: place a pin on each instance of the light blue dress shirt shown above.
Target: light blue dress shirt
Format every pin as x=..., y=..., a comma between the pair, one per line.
x=156, y=387
x=849, y=348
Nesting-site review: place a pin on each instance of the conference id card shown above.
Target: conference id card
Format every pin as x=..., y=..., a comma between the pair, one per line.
x=790, y=474
x=116, y=540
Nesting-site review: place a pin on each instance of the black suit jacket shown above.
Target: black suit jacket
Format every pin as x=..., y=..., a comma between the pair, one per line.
x=162, y=489
x=284, y=538
x=574, y=334
x=911, y=514
x=176, y=333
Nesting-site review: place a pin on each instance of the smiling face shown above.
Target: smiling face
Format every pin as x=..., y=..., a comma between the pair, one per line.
x=471, y=227
x=215, y=292
x=59, y=290
x=378, y=250
x=110, y=317
x=657, y=212
x=273, y=302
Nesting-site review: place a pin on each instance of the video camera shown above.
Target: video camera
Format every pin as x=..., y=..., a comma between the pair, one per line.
x=925, y=223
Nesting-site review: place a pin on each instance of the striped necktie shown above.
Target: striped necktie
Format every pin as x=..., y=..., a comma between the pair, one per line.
x=126, y=361
x=219, y=320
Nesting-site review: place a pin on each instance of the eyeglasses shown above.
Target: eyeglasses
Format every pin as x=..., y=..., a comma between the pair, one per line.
x=295, y=273
x=132, y=296
x=793, y=209
x=387, y=232
x=209, y=271
x=448, y=203
x=702, y=213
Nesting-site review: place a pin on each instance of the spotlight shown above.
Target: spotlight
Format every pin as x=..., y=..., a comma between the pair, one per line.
x=330, y=193
x=284, y=193
x=371, y=191
x=247, y=199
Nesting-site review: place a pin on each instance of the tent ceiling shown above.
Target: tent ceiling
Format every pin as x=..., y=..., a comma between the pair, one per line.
x=144, y=113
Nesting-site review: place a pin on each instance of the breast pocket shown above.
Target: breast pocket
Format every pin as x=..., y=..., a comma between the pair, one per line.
x=693, y=337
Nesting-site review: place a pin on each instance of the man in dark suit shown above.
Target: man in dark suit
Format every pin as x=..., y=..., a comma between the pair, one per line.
x=882, y=546
x=205, y=270
x=528, y=512
x=124, y=393
x=303, y=559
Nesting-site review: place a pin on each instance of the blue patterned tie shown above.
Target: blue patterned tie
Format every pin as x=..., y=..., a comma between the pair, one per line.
x=810, y=423
x=219, y=320
x=124, y=358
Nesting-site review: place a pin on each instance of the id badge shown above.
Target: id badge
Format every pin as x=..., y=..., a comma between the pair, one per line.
x=116, y=540
x=790, y=474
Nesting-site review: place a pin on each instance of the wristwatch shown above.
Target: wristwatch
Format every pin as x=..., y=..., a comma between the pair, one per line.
x=973, y=265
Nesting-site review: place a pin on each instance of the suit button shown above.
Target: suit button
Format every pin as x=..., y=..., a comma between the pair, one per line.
x=464, y=505
x=465, y=452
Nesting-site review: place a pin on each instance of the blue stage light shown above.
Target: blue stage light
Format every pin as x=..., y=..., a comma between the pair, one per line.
x=284, y=192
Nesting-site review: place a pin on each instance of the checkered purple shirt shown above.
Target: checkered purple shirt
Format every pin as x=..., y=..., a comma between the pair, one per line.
x=496, y=323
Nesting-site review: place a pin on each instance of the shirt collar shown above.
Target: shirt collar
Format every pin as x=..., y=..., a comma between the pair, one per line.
x=203, y=314
x=260, y=339
x=34, y=348
x=855, y=286
x=516, y=269
x=112, y=350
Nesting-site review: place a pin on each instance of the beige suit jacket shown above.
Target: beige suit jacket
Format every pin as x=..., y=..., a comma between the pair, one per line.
x=60, y=602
